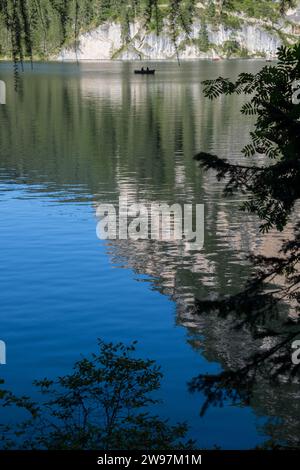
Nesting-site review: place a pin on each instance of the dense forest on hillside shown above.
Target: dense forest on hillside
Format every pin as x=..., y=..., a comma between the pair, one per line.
x=39, y=28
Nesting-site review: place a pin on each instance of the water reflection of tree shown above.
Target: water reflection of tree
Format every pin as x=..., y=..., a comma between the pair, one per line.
x=96, y=149
x=268, y=307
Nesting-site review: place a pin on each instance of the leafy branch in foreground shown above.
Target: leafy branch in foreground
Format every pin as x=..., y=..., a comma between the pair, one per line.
x=102, y=404
x=272, y=188
x=268, y=308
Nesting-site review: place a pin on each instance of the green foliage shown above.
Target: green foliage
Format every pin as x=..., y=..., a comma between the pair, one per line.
x=273, y=189
x=176, y=22
x=187, y=15
x=266, y=9
x=125, y=27
x=231, y=47
x=268, y=307
x=286, y=4
x=39, y=28
x=211, y=10
x=203, y=41
x=154, y=17
x=263, y=9
x=102, y=404
x=230, y=21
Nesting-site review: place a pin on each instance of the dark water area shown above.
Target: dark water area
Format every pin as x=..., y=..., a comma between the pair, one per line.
x=75, y=137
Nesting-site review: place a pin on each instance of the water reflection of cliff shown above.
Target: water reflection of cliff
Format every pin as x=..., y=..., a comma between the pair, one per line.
x=92, y=136
x=218, y=268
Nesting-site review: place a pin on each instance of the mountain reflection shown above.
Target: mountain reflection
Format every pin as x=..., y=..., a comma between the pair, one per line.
x=93, y=136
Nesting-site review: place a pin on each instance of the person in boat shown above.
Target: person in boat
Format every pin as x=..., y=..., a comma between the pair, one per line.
x=147, y=69
x=142, y=69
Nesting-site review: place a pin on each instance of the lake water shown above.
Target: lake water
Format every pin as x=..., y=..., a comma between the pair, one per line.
x=74, y=137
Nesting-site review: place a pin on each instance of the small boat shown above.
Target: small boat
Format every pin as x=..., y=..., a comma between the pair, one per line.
x=146, y=71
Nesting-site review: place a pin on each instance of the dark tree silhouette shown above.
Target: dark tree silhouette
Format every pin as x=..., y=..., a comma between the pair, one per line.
x=102, y=404
x=268, y=306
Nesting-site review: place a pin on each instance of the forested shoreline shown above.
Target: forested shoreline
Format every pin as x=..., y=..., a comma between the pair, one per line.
x=39, y=29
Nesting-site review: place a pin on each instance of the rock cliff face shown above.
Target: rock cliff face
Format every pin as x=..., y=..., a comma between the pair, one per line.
x=105, y=43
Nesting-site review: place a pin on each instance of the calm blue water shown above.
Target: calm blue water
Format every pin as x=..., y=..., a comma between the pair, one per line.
x=77, y=136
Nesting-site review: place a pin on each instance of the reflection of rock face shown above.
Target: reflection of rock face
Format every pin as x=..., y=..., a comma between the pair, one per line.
x=184, y=276
x=179, y=272
x=138, y=137
x=279, y=402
